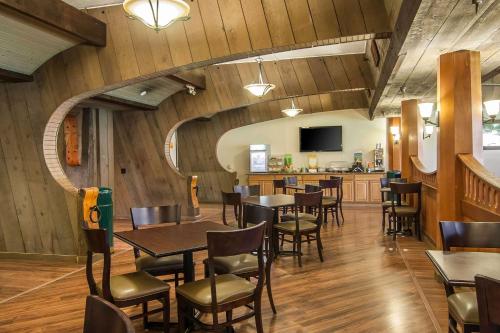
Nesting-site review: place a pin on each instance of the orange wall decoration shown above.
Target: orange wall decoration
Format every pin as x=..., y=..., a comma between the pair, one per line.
x=72, y=140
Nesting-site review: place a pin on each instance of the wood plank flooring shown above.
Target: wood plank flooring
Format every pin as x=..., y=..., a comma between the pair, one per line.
x=368, y=283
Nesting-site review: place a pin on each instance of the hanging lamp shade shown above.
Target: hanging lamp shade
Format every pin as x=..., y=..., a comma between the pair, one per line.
x=157, y=14
x=260, y=88
x=492, y=108
x=292, y=111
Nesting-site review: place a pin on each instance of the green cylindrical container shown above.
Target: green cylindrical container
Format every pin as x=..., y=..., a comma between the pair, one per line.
x=105, y=205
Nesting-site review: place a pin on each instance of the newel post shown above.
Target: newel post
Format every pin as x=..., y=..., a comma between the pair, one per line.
x=460, y=132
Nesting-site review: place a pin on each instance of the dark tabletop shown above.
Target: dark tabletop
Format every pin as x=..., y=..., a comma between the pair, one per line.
x=459, y=268
x=173, y=239
x=296, y=187
x=271, y=201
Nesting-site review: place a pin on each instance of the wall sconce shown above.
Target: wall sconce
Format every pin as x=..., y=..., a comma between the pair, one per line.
x=492, y=108
x=425, y=110
x=396, y=136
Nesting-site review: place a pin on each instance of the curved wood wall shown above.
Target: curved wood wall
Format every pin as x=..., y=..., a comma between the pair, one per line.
x=38, y=215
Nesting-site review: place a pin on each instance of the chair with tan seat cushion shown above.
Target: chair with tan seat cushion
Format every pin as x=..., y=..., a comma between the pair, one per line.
x=463, y=306
x=331, y=199
x=247, y=265
x=149, y=216
x=408, y=192
x=225, y=292
x=127, y=289
x=388, y=197
x=298, y=228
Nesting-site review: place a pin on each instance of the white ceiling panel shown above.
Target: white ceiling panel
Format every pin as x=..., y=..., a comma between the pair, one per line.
x=81, y=4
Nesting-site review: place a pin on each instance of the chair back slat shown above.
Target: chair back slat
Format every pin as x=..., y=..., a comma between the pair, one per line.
x=405, y=188
x=155, y=215
x=97, y=242
x=102, y=316
x=234, y=242
x=247, y=190
x=279, y=184
x=488, y=301
x=331, y=185
x=473, y=234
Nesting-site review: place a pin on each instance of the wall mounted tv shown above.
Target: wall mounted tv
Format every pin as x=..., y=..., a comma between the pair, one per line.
x=325, y=138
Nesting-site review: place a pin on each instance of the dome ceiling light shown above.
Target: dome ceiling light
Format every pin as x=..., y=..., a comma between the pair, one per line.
x=260, y=88
x=157, y=14
x=292, y=111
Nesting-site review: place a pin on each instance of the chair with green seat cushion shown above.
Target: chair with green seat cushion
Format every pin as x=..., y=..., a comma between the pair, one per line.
x=488, y=299
x=388, y=197
x=225, y=292
x=304, y=202
x=127, y=289
x=246, y=265
x=463, y=306
x=148, y=216
x=331, y=198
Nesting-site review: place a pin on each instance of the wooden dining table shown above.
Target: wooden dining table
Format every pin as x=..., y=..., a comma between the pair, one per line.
x=458, y=269
x=173, y=239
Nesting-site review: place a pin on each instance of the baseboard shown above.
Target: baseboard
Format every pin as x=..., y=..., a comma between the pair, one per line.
x=70, y=258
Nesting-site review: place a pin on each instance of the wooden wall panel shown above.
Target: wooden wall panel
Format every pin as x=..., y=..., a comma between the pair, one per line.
x=32, y=112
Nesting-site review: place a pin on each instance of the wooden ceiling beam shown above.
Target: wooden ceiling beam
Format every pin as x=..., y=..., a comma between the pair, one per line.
x=116, y=104
x=407, y=13
x=194, y=78
x=61, y=16
x=10, y=76
x=490, y=75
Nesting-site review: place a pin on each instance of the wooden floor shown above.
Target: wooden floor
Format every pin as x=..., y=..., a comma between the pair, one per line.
x=368, y=283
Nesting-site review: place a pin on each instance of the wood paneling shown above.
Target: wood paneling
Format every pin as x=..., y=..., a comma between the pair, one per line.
x=393, y=147
x=411, y=138
x=38, y=215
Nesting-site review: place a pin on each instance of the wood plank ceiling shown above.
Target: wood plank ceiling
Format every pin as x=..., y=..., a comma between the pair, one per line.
x=440, y=27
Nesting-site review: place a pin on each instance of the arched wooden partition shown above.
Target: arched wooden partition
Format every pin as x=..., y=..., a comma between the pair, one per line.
x=39, y=216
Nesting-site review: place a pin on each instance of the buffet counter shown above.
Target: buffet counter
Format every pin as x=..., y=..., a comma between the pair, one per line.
x=358, y=188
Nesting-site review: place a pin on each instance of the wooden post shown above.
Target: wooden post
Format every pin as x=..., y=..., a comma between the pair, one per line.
x=393, y=147
x=411, y=135
x=459, y=92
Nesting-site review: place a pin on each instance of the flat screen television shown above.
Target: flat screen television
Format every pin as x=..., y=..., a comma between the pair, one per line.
x=325, y=138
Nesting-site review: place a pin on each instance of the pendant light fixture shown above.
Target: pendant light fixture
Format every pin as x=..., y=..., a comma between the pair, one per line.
x=492, y=109
x=260, y=88
x=292, y=111
x=157, y=14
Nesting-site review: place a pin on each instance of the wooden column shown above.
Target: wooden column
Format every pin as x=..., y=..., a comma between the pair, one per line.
x=411, y=135
x=459, y=92
x=393, y=147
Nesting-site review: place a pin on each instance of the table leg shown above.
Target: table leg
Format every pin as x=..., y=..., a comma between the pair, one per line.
x=188, y=267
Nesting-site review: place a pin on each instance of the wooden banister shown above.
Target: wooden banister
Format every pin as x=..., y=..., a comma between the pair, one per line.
x=423, y=174
x=481, y=188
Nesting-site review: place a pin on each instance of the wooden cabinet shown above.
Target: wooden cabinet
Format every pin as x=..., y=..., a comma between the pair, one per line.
x=375, y=195
x=361, y=191
x=358, y=188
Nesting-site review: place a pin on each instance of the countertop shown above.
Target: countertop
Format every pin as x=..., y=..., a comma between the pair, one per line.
x=315, y=173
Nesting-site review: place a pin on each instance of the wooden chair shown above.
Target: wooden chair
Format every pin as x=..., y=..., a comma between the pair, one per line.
x=302, y=226
x=279, y=184
x=247, y=190
x=246, y=265
x=126, y=289
x=331, y=201
x=225, y=292
x=146, y=216
x=462, y=306
x=103, y=317
x=388, y=196
x=488, y=301
x=411, y=214
x=341, y=192
x=234, y=200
